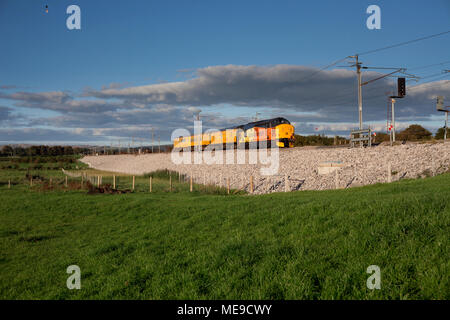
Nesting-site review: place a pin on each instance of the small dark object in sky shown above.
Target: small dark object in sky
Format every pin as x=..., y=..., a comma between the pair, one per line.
x=46, y=8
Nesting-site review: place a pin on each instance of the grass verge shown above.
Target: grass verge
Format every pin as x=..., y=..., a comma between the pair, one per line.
x=299, y=245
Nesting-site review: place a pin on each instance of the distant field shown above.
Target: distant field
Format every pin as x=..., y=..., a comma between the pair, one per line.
x=182, y=245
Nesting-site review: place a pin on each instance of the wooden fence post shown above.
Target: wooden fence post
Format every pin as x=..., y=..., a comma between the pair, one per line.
x=389, y=173
x=228, y=185
x=433, y=172
x=336, y=178
x=82, y=179
x=98, y=181
x=31, y=181
x=114, y=181
x=65, y=183
x=170, y=183
x=134, y=178
x=9, y=184
x=190, y=188
x=251, y=184
x=50, y=181
x=150, y=184
x=286, y=183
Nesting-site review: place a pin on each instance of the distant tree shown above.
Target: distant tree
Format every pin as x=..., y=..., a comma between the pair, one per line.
x=34, y=150
x=381, y=136
x=7, y=151
x=413, y=133
x=440, y=133
x=19, y=151
x=44, y=150
x=55, y=150
x=68, y=150
x=315, y=140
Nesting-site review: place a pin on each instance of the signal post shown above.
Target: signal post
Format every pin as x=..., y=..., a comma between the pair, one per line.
x=440, y=107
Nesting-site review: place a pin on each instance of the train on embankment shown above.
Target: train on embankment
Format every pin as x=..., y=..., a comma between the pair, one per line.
x=259, y=134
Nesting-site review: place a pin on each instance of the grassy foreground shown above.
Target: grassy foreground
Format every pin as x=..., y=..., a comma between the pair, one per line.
x=299, y=245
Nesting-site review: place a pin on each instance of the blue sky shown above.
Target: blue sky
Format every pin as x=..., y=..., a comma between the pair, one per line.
x=140, y=43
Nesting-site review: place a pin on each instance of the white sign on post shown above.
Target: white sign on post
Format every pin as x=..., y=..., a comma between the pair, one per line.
x=440, y=103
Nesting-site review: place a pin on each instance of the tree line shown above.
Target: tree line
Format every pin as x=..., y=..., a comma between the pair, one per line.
x=33, y=151
x=414, y=132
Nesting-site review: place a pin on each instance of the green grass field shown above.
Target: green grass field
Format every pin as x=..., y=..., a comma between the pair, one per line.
x=182, y=245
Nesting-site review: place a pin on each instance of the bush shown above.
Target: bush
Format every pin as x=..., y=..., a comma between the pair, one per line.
x=440, y=133
x=316, y=140
x=413, y=133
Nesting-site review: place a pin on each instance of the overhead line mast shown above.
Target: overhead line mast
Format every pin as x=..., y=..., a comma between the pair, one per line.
x=358, y=73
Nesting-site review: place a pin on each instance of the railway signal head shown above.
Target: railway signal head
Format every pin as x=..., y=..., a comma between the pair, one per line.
x=401, y=86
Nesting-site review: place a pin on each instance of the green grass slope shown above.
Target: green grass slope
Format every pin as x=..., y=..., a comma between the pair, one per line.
x=299, y=245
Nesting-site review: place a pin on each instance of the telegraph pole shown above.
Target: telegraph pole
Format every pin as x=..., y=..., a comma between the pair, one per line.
x=159, y=143
x=393, y=119
x=446, y=122
x=440, y=107
x=153, y=140
x=446, y=115
x=358, y=74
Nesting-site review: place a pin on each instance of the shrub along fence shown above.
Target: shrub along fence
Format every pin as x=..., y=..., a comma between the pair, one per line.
x=161, y=181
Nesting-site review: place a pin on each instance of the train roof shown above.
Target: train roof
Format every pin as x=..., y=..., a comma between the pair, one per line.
x=266, y=123
x=261, y=123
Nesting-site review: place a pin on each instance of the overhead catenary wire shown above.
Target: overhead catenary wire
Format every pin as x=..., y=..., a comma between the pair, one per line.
x=376, y=50
x=428, y=83
x=430, y=65
x=404, y=43
x=380, y=49
x=344, y=96
x=432, y=75
x=324, y=68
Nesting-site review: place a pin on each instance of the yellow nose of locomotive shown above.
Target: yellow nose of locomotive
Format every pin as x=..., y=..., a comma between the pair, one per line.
x=285, y=135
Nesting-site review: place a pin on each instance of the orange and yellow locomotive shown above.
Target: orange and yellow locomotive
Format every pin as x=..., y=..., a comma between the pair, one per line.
x=277, y=131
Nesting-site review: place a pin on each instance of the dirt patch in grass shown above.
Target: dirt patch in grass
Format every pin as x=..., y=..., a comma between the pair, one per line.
x=106, y=189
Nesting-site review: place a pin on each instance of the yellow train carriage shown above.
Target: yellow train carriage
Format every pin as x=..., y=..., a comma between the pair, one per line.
x=277, y=130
